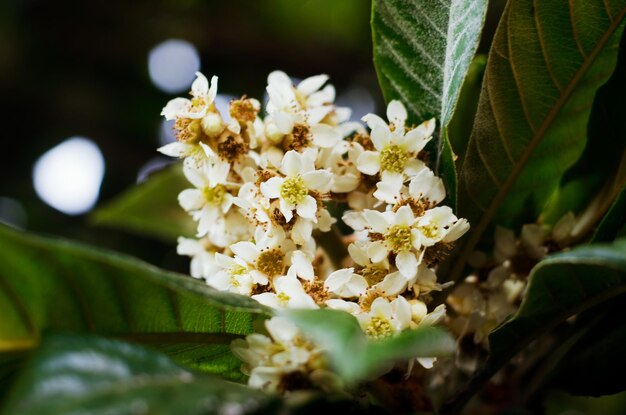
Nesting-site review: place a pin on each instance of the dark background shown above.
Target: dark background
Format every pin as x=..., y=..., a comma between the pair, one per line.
x=80, y=68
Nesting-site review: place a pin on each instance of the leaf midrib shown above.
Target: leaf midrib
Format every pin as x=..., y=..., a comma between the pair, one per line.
x=534, y=142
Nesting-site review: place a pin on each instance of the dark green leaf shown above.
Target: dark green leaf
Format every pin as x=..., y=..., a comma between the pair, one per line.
x=422, y=51
x=354, y=356
x=52, y=284
x=150, y=208
x=614, y=220
x=546, y=63
x=592, y=184
x=560, y=286
x=72, y=374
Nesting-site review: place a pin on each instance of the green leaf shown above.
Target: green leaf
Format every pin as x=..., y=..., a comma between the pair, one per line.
x=72, y=374
x=560, y=286
x=354, y=356
x=592, y=184
x=150, y=208
x=613, y=222
x=50, y=284
x=422, y=51
x=545, y=65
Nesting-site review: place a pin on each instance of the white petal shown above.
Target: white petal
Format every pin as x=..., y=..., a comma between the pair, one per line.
x=268, y=299
x=347, y=306
x=358, y=254
x=191, y=199
x=218, y=172
x=368, y=162
x=417, y=138
x=212, y=90
x=281, y=329
x=401, y=310
x=374, y=121
x=407, y=264
x=426, y=362
x=271, y=188
x=284, y=122
x=457, y=230
x=308, y=208
x=301, y=231
x=388, y=189
x=325, y=136
x=175, y=107
x=396, y=113
x=200, y=86
x=286, y=209
x=337, y=279
x=279, y=77
x=302, y=265
x=246, y=251
x=312, y=84
x=404, y=216
x=355, y=220
x=381, y=308
x=392, y=284
x=291, y=164
x=377, y=221
x=175, y=149
x=188, y=247
x=381, y=137
x=320, y=180
x=316, y=114
x=195, y=175
x=377, y=251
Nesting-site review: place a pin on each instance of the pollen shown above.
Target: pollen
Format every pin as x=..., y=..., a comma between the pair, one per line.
x=373, y=274
x=188, y=130
x=430, y=231
x=293, y=190
x=214, y=196
x=230, y=147
x=393, y=158
x=378, y=328
x=399, y=238
x=243, y=110
x=299, y=138
x=283, y=298
x=271, y=262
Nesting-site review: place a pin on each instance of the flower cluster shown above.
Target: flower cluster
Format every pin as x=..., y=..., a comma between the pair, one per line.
x=263, y=187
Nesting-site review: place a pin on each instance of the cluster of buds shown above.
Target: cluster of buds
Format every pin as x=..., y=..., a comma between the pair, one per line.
x=262, y=188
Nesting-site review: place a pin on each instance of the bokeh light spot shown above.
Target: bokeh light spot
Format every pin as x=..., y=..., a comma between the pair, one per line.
x=68, y=176
x=172, y=65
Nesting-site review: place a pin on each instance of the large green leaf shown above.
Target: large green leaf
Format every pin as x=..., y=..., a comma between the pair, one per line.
x=591, y=185
x=355, y=357
x=150, y=208
x=72, y=374
x=560, y=286
x=51, y=284
x=422, y=51
x=547, y=60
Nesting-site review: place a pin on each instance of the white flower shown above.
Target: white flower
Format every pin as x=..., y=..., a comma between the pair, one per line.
x=289, y=294
x=293, y=189
x=439, y=225
x=202, y=260
x=228, y=229
x=399, y=236
x=196, y=108
x=426, y=186
x=386, y=318
x=211, y=198
x=345, y=283
x=395, y=154
x=234, y=276
x=269, y=360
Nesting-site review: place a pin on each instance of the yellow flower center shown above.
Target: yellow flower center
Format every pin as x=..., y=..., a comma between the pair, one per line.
x=393, y=158
x=430, y=231
x=271, y=262
x=293, y=190
x=197, y=104
x=283, y=298
x=373, y=274
x=378, y=328
x=214, y=195
x=188, y=130
x=399, y=238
